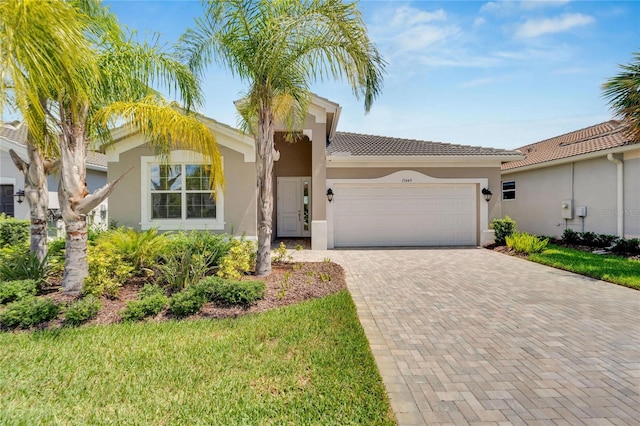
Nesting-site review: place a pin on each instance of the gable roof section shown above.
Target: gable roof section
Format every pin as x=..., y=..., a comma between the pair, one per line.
x=356, y=144
x=600, y=137
x=16, y=132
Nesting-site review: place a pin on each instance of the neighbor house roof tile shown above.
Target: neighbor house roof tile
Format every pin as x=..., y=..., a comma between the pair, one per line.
x=355, y=144
x=607, y=135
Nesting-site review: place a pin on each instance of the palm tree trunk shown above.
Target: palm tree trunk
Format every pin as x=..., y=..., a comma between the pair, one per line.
x=36, y=192
x=264, y=174
x=71, y=191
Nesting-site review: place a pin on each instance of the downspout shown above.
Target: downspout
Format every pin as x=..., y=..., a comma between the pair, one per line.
x=620, y=191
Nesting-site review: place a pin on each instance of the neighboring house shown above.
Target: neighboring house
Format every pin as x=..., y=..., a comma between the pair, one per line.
x=13, y=135
x=587, y=180
x=385, y=191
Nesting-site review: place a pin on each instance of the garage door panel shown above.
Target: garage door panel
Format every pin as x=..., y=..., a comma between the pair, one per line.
x=426, y=215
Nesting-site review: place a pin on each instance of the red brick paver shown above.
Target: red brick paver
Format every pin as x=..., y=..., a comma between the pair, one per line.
x=470, y=336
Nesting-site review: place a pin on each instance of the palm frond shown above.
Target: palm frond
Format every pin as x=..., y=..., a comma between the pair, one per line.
x=623, y=95
x=164, y=126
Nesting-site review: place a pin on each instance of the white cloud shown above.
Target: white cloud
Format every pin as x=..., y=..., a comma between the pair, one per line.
x=505, y=7
x=479, y=82
x=537, y=27
x=407, y=16
x=479, y=21
x=537, y=4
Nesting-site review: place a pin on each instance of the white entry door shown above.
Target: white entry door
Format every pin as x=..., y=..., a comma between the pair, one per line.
x=294, y=206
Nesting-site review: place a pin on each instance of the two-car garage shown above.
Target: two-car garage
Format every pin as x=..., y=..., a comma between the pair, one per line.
x=404, y=215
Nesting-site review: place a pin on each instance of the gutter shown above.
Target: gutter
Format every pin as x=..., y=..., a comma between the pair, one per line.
x=620, y=190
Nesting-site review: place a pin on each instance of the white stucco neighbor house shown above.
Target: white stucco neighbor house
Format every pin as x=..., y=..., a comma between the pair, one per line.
x=587, y=180
x=13, y=135
x=340, y=189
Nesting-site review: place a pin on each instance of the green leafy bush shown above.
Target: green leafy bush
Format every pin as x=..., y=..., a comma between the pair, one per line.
x=503, y=228
x=13, y=231
x=240, y=292
x=525, y=243
x=183, y=268
x=588, y=238
x=569, y=236
x=187, y=302
x=10, y=291
x=211, y=246
x=107, y=272
x=231, y=292
x=151, y=300
x=627, y=246
x=82, y=310
x=27, y=267
x=28, y=312
x=604, y=240
x=140, y=249
x=240, y=259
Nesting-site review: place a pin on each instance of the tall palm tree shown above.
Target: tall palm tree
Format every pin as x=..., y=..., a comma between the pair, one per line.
x=39, y=46
x=280, y=48
x=623, y=94
x=111, y=80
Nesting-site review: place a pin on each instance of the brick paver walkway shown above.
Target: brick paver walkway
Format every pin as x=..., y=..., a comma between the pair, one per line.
x=470, y=336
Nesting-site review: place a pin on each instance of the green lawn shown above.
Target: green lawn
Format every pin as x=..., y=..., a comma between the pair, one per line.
x=614, y=269
x=304, y=364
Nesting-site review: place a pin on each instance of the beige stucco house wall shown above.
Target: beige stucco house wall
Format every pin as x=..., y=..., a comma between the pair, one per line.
x=590, y=182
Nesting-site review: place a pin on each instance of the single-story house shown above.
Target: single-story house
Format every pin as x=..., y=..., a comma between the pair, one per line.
x=339, y=189
x=587, y=180
x=13, y=135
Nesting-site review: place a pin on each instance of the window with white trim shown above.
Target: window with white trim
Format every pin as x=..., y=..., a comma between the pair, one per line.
x=178, y=195
x=509, y=190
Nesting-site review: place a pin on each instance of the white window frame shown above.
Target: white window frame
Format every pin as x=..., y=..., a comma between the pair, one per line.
x=176, y=157
x=508, y=190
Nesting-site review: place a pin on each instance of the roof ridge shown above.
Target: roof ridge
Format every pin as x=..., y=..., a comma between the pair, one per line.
x=416, y=140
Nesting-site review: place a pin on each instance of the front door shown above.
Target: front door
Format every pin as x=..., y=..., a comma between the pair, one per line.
x=294, y=206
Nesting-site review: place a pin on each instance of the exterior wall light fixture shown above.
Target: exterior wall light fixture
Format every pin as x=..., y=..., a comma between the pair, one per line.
x=487, y=194
x=330, y=194
x=19, y=195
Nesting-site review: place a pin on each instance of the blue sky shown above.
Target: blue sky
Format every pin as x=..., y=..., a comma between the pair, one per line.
x=498, y=73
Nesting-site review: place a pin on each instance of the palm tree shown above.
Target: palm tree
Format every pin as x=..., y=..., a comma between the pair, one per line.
x=279, y=48
x=110, y=79
x=623, y=94
x=39, y=46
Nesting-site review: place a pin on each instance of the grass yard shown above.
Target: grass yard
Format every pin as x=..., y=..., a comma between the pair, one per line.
x=614, y=269
x=304, y=364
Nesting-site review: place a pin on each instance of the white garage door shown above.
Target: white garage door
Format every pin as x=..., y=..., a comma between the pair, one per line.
x=419, y=215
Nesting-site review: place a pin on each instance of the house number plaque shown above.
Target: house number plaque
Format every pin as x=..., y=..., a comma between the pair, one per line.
x=407, y=180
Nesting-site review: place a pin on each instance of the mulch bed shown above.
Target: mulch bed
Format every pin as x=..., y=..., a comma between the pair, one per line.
x=288, y=283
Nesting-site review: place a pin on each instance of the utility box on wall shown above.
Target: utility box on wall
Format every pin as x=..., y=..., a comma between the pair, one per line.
x=581, y=211
x=566, y=209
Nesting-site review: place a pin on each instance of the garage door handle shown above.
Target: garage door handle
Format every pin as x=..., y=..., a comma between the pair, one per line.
x=298, y=214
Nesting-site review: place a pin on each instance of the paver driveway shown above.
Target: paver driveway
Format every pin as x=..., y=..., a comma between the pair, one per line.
x=470, y=336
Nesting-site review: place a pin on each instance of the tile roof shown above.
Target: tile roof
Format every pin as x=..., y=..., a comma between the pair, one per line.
x=355, y=144
x=17, y=132
x=607, y=135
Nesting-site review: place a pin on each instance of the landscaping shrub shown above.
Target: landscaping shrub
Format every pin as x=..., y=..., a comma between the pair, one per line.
x=140, y=249
x=240, y=292
x=503, y=228
x=187, y=302
x=231, y=292
x=10, y=255
x=627, y=246
x=26, y=267
x=208, y=287
x=183, y=268
x=240, y=259
x=13, y=231
x=107, y=272
x=569, y=236
x=82, y=310
x=151, y=300
x=28, y=312
x=588, y=238
x=525, y=243
x=212, y=246
x=605, y=241
x=10, y=291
